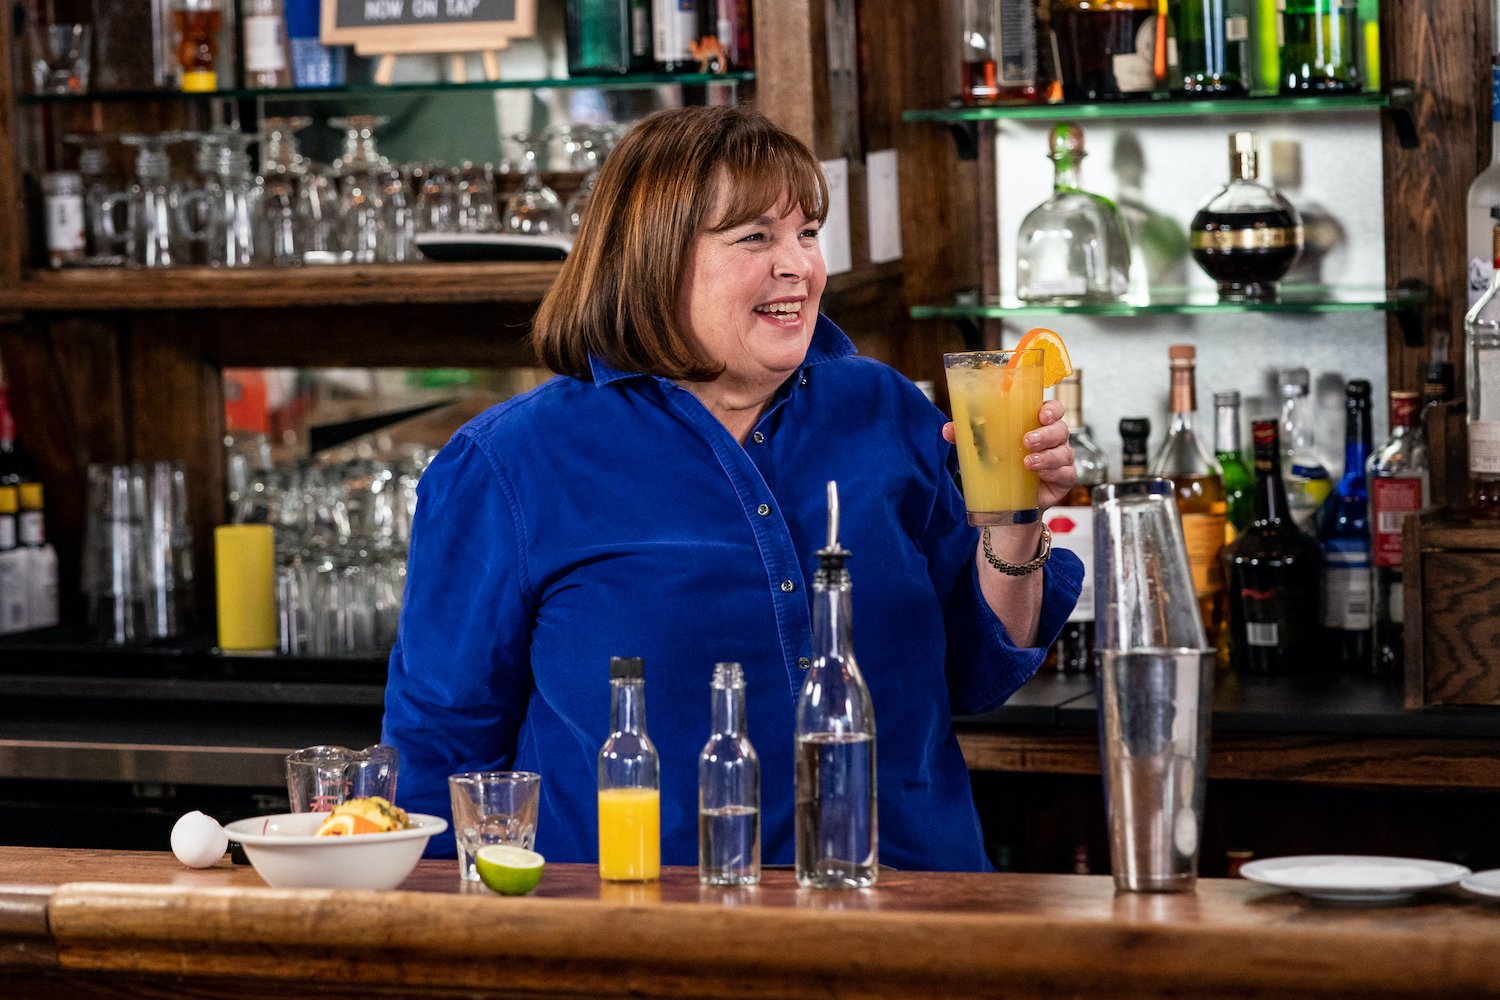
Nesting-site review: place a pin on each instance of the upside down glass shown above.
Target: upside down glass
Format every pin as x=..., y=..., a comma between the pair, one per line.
x=996, y=397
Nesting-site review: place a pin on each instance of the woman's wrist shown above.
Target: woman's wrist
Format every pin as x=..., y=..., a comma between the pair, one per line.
x=1016, y=550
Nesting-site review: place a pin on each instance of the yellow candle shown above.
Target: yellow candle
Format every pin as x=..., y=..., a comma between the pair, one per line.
x=629, y=834
x=245, y=578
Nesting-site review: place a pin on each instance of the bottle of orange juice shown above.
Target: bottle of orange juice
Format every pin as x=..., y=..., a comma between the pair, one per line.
x=629, y=782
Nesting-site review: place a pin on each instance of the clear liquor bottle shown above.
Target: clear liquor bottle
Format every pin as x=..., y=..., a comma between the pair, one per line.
x=1482, y=352
x=1484, y=191
x=1199, y=486
x=835, y=739
x=1239, y=484
x=1400, y=486
x=1343, y=524
x=1302, y=466
x=1212, y=41
x=629, y=782
x=728, y=789
x=1273, y=575
x=1245, y=235
x=1072, y=248
x=1072, y=525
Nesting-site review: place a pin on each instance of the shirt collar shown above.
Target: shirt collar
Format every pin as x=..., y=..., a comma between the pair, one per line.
x=828, y=344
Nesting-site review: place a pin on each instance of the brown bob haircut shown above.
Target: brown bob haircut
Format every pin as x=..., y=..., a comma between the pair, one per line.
x=617, y=294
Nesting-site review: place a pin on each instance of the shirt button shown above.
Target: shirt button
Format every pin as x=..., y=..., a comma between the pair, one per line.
x=803, y=662
x=763, y=509
x=758, y=438
x=787, y=586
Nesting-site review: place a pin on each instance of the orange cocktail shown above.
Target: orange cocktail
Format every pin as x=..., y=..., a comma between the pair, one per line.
x=996, y=397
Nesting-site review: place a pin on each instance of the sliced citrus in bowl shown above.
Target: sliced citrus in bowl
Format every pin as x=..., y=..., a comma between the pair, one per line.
x=346, y=824
x=509, y=870
x=1056, y=364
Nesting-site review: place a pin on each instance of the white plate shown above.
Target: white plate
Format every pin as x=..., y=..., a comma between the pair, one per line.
x=1354, y=878
x=1484, y=883
x=457, y=247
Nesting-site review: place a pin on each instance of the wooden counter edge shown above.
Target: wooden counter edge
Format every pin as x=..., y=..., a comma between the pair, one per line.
x=587, y=947
x=25, y=937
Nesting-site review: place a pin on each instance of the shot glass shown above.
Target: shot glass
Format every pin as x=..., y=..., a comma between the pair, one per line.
x=492, y=807
x=60, y=57
x=319, y=778
x=996, y=398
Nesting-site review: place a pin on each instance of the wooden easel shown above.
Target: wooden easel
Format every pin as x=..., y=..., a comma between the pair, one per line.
x=344, y=23
x=458, y=66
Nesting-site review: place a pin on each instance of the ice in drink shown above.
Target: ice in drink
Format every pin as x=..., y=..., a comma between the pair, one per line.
x=629, y=834
x=996, y=397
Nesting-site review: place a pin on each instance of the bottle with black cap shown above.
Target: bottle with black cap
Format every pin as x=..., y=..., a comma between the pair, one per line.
x=629, y=782
x=835, y=738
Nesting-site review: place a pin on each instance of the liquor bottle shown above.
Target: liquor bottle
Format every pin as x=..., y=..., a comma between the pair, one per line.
x=1072, y=525
x=41, y=573
x=1399, y=486
x=1484, y=191
x=267, y=58
x=629, y=782
x=837, y=840
x=1239, y=484
x=1106, y=50
x=197, y=23
x=735, y=25
x=598, y=34
x=1343, y=524
x=1016, y=77
x=1199, y=487
x=1246, y=235
x=1303, y=469
x=13, y=567
x=1482, y=353
x=728, y=789
x=15, y=463
x=1212, y=41
x=1135, y=435
x=1320, y=43
x=1273, y=575
x=674, y=28
x=1072, y=247
x=1369, y=50
x=1265, y=49
x=981, y=60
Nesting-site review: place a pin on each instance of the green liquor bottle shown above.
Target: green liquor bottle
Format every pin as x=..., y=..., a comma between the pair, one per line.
x=1239, y=484
x=1212, y=39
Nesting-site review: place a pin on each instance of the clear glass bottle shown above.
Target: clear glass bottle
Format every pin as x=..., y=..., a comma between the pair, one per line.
x=1302, y=466
x=837, y=839
x=267, y=53
x=1245, y=235
x=1199, y=486
x=1072, y=525
x=629, y=782
x=1343, y=524
x=1399, y=487
x=1238, y=482
x=1320, y=44
x=1482, y=353
x=1484, y=191
x=1212, y=43
x=728, y=789
x=1073, y=247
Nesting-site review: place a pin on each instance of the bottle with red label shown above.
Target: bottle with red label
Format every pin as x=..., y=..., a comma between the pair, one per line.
x=1399, y=487
x=1072, y=525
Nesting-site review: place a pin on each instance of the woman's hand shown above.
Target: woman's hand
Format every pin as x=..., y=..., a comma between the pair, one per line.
x=1051, y=456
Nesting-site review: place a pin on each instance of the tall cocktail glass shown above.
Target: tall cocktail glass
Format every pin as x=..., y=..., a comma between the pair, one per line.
x=996, y=397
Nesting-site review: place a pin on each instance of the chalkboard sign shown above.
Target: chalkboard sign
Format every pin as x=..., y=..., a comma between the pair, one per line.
x=381, y=27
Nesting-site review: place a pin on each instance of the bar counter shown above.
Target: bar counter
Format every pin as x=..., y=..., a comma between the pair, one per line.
x=82, y=924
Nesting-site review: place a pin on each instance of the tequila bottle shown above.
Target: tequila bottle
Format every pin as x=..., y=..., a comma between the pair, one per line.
x=1072, y=247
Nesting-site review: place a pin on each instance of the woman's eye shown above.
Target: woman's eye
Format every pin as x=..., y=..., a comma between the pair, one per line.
x=752, y=237
x=809, y=234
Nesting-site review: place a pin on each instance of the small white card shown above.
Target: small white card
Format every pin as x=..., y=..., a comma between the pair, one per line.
x=837, y=254
x=883, y=196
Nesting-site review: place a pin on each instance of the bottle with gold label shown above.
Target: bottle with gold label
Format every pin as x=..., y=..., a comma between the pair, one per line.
x=1199, y=485
x=1246, y=236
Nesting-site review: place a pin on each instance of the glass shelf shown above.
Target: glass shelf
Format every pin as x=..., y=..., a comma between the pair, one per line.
x=629, y=82
x=1160, y=107
x=1191, y=301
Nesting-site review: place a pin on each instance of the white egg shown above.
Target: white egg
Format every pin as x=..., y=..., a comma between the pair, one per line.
x=198, y=840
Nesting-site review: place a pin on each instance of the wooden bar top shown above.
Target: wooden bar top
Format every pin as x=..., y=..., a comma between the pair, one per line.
x=80, y=924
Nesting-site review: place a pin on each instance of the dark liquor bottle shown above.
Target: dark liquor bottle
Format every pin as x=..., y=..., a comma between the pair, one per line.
x=599, y=37
x=1399, y=487
x=15, y=463
x=1106, y=48
x=675, y=26
x=1239, y=484
x=1135, y=435
x=1344, y=536
x=1320, y=43
x=1273, y=575
x=1072, y=525
x=1246, y=235
x=1212, y=39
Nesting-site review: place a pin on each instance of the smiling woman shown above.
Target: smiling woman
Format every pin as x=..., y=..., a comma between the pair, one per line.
x=665, y=497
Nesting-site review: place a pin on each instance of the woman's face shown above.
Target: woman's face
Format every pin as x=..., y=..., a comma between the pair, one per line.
x=750, y=294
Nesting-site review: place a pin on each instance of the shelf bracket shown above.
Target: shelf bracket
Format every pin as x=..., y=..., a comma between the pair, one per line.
x=1403, y=101
x=965, y=138
x=1410, y=320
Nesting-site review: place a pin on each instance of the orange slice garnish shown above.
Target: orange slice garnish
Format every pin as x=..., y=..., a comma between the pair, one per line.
x=345, y=824
x=1056, y=364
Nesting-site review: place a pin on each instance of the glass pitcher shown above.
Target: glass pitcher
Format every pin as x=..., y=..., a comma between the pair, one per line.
x=152, y=236
x=319, y=778
x=221, y=216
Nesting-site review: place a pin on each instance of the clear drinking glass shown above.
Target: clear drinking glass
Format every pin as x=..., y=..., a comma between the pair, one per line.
x=492, y=807
x=997, y=398
x=61, y=56
x=534, y=210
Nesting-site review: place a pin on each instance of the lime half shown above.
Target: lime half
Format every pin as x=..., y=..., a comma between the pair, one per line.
x=510, y=871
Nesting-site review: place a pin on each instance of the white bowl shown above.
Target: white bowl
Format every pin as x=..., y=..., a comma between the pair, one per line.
x=284, y=851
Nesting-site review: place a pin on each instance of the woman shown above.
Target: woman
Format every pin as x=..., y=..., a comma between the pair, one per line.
x=665, y=496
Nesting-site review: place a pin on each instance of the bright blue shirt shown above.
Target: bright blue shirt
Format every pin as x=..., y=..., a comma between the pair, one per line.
x=618, y=517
